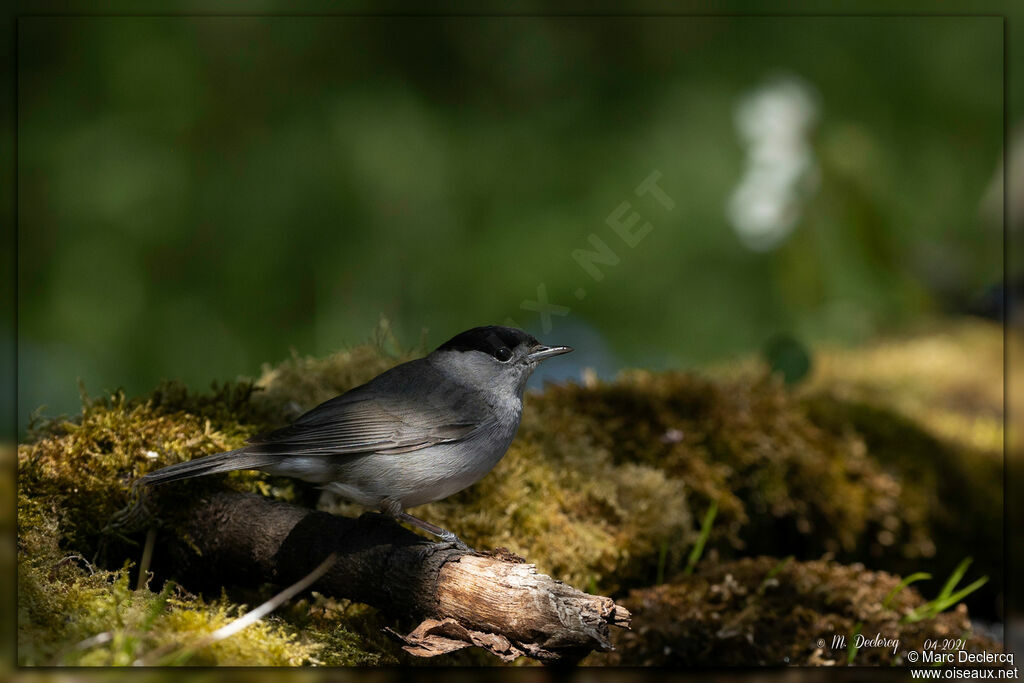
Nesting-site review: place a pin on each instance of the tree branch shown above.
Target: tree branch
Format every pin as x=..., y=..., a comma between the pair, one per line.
x=495, y=601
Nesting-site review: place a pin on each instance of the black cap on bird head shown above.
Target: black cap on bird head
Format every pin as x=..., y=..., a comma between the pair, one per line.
x=488, y=339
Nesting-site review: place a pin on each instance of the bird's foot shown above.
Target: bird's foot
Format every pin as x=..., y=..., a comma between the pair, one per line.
x=449, y=537
x=443, y=534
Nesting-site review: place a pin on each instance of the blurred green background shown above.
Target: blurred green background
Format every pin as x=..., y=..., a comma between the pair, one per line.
x=197, y=196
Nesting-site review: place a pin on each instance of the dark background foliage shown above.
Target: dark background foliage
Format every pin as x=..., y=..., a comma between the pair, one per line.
x=201, y=195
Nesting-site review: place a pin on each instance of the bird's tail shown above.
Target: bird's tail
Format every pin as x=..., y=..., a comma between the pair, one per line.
x=240, y=459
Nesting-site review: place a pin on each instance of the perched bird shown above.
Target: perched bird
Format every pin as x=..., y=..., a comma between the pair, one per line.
x=416, y=433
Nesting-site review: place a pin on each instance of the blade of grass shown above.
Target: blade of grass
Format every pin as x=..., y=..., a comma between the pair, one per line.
x=946, y=598
x=950, y=600
x=851, y=649
x=955, y=577
x=934, y=607
x=774, y=571
x=913, y=578
x=662, y=557
x=705, y=531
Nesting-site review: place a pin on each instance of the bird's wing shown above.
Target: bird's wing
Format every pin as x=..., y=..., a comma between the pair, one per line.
x=376, y=419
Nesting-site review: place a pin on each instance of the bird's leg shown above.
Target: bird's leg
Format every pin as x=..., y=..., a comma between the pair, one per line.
x=394, y=510
x=443, y=534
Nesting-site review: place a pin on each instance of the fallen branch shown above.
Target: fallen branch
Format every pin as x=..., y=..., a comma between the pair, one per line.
x=494, y=601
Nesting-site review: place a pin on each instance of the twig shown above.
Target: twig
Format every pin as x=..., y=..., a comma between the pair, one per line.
x=247, y=619
x=270, y=605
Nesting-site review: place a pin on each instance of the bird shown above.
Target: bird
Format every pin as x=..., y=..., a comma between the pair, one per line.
x=414, y=434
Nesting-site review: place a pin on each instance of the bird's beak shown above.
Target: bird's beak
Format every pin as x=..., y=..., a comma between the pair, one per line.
x=540, y=352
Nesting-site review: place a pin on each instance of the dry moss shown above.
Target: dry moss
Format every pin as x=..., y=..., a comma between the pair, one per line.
x=739, y=614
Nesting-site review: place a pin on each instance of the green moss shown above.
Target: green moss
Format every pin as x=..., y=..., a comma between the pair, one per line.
x=929, y=409
x=73, y=579
x=742, y=614
x=84, y=468
x=71, y=612
x=778, y=479
x=603, y=488
x=950, y=495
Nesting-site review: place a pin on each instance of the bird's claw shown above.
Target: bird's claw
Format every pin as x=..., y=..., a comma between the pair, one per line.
x=449, y=537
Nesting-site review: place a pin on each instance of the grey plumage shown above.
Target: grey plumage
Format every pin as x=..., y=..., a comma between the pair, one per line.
x=414, y=434
x=208, y=464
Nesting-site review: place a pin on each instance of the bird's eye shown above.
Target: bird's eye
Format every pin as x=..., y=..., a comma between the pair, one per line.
x=503, y=354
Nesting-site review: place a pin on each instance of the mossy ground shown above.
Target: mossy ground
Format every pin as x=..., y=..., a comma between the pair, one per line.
x=929, y=408
x=766, y=612
x=79, y=600
x=604, y=488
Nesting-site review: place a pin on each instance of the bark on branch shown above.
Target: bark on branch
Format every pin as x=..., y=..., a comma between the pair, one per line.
x=495, y=601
